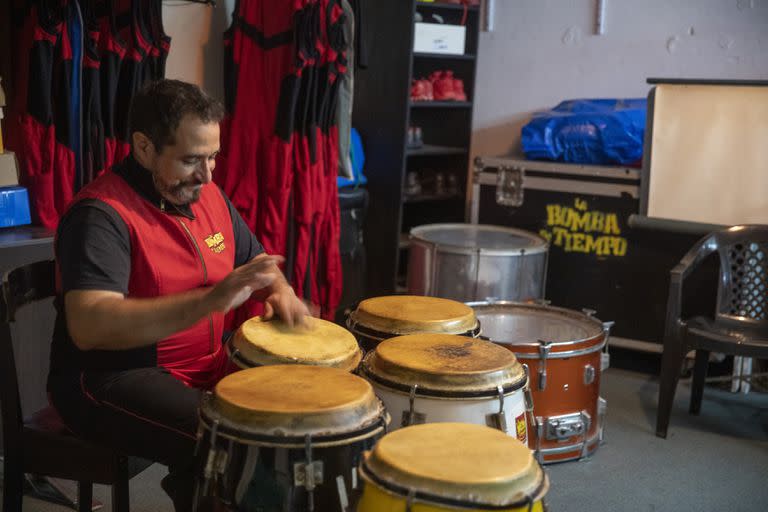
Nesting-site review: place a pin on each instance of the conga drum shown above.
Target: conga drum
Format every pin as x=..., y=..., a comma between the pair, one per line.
x=564, y=351
x=379, y=318
x=285, y=438
x=425, y=378
x=260, y=343
x=449, y=467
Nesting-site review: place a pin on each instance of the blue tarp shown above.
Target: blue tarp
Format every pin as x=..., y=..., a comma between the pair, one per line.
x=588, y=131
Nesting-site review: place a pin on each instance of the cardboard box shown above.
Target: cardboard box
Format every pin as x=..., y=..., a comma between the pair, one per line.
x=14, y=207
x=9, y=170
x=439, y=38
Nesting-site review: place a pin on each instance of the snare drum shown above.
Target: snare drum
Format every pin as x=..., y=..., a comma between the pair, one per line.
x=380, y=318
x=426, y=378
x=448, y=467
x=564, y=350
x=285, y=438
x=261, y=343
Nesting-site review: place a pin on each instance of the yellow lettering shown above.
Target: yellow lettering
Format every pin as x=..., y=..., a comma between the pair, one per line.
x=580, y=204
x=577, y=221
x=597, y=221
x=555, y=215
x=612, y=225
x=578, y=242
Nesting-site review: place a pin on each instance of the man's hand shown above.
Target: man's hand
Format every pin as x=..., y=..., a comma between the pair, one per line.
x=238, y=286
x=283, y=301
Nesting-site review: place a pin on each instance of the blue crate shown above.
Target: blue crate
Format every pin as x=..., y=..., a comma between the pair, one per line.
x=14, y=207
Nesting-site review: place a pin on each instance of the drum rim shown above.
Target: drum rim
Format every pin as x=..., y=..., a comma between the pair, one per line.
x=601, y=335
x=542, y=246
x=426, y=391
x=432, y=499
x=371, y=333
x=236, y=356
x=229, y=429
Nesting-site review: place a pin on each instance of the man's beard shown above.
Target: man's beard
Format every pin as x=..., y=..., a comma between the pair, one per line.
x=181, y=193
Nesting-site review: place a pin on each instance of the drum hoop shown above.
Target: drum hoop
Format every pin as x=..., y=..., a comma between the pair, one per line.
x=570, y=313
x=439, y=393
x=240, y=360
x=373, y=334
x=552, y=354
x=229, y=430
x=538, y=244
x=428, y=498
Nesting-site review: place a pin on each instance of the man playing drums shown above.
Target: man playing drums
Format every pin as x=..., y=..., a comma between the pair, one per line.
x=151, y=255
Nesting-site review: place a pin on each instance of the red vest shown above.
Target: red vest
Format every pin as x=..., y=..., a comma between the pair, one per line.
x=172, y=254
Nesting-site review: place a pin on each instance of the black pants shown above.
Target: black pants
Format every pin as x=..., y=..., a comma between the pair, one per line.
x=143, y=412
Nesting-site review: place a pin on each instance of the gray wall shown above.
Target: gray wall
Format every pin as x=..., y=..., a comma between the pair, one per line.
x=544, y=51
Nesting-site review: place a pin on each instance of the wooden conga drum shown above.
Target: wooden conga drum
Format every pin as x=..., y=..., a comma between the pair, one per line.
x=379, y=318
x=285, y=438
x=262, y=343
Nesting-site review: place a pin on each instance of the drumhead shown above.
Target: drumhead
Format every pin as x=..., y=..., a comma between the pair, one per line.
x=482, y=238
x=518, y=323
x=407, y=314
x=446, y=363
x=456, y=463
x=295, y=400
x=261, y=343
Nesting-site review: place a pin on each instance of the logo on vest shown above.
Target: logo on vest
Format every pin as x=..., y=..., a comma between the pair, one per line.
x=215, y=242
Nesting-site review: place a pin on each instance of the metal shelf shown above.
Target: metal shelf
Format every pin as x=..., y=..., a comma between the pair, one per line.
x=431, y=149
x=425, y=198
x=451, y=7
x=441, y=104
x=455, y=56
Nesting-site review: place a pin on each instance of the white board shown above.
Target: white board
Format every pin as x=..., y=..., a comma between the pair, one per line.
x=709, y=154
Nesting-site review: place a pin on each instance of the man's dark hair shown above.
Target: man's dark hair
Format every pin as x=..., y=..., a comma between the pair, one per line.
x=157, y=109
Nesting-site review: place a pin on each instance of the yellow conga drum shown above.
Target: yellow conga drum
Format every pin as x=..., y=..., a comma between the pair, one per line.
x=450, y=467
x=380, y=318
x=262, y=343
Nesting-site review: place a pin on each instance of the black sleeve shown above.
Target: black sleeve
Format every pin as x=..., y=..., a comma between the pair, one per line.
x=93, y=249
x=247, y=246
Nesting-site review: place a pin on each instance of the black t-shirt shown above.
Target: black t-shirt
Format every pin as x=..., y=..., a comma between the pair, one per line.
x=93, y=252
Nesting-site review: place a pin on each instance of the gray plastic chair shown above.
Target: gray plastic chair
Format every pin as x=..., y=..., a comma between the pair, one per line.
x=740, y=323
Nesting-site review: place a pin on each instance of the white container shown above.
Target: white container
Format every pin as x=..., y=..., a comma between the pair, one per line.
x=439, y=38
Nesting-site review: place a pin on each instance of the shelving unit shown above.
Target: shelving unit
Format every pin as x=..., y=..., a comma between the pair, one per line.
x=383, y=112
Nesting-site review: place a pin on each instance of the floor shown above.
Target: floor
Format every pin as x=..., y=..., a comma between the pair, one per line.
x=715, y=462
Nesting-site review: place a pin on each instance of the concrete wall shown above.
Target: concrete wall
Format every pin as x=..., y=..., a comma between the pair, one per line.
x=544, y=51
x=197, y=48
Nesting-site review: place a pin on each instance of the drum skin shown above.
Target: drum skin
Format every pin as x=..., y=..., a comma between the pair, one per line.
x=449, y=467
x=259, y=342
x=380, y=318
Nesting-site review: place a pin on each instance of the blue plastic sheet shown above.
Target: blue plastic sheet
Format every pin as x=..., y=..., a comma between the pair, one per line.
x=357, y=155
x=588, y=131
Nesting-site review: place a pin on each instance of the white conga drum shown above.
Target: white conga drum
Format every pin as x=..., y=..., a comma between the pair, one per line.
x=261, y=343
x=285, y=438
x=379, y=318
x=425, y=378
x=450, y=467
